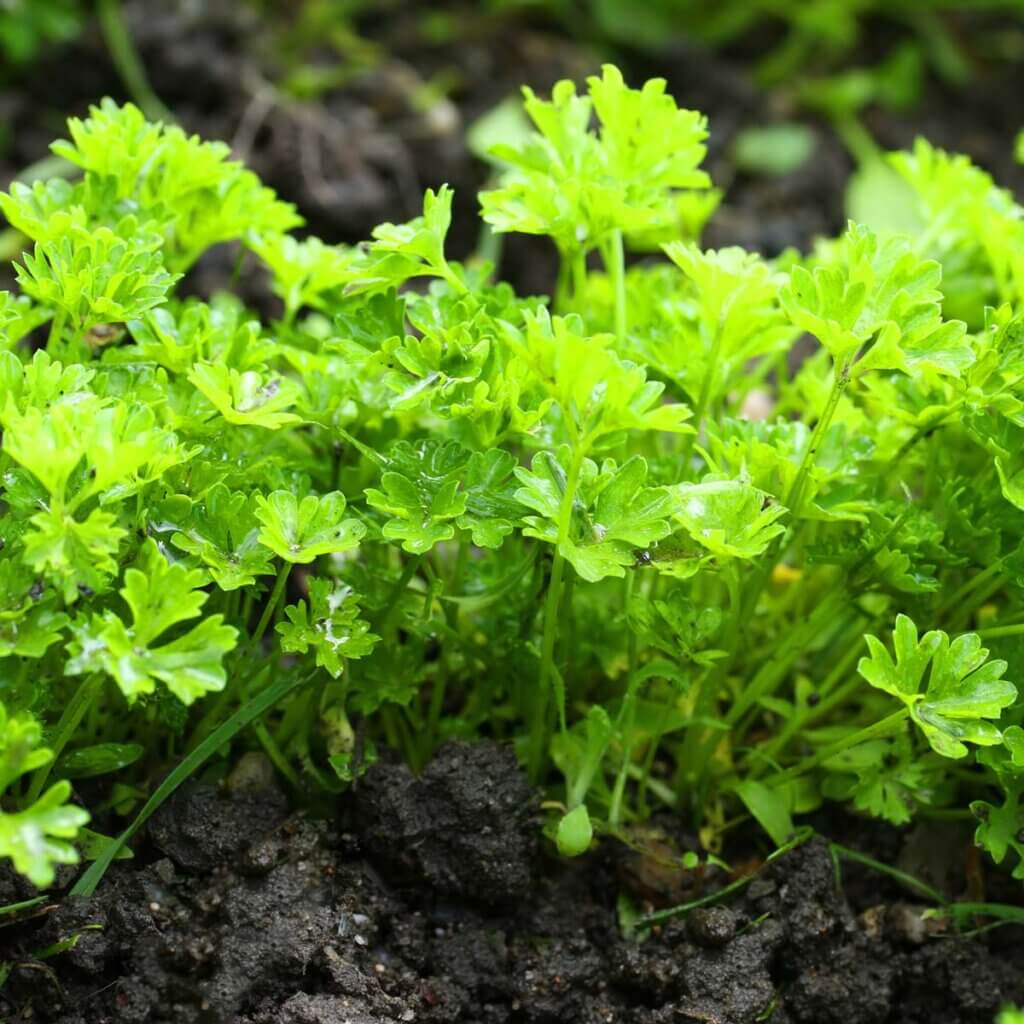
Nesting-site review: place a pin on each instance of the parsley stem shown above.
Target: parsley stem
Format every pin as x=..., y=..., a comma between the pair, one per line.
x=830, y=697
x=872, y=732
x=579, y=279
x=270, y=608
x=397, y=591
x=795, y=498
x=548, y=675
x=998, y=631
x=615, y=264
x=56, y=330
x=956, y=599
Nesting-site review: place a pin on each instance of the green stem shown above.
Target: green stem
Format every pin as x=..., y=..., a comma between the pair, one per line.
x=956, y=599
x=66, y=726
x=403, y=581
x=552, y=603
x=615, y=265
x=579, y=279
x=700, y=741
x=126, y=59
x=997, y=631
x=794, y=500
x=627, y=712
x=871, y=732
x=56, y=330
x=270, y=608
x=830, y=698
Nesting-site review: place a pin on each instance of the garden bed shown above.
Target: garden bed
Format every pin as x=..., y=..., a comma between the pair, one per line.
x=433, y=899
x=438, y=898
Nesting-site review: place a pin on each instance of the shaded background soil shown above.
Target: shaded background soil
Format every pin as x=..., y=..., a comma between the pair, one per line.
x=362, y=150
x=433, y=899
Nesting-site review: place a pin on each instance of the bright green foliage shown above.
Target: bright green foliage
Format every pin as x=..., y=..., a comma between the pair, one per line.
x=221, y=530
x=36, y=839
x=964, y=691
x=867, y=291
x=630, y=530
x=608, y=516
x=885, y=778
x=305, y=272
x=432, y=488
x=330, y=625
x=729, y=518
x=737, y=318
x=189, y=187
x=1000, y=826
x=301, y=531
x=577, y=185
x=399, y=252
x=247, y=398
x=97, y=277
x=598, y=394
x=159, y=596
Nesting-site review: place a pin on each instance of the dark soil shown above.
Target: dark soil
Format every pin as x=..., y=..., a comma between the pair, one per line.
x=434, y=899
x=364, y=149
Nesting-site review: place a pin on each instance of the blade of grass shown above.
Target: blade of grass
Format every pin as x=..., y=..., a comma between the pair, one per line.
x=249, y=712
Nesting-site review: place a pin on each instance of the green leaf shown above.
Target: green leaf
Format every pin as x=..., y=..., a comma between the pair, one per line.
x=770, y=807
x=222, y=531
x=737, y=318
x=601, y=395
x=399, y=252
x=29, y=623
x=729, y=518
x=964, y=688
x=575, y=833
x=330, y=625
x=305, y=271
x=75, y=555
x=301, y=531
x=199, y=196
x=38, y=838
x=97, y=277
x=613, y=513
x=1000, y=827
x=885, y=778
x=431, y=488
x=577, y=186
x=159, y=596
x=250, y=398
x=773, y=149
x=878, y=293
x=99, y=759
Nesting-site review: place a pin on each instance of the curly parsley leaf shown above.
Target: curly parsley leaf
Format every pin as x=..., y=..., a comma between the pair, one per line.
x=612, y=512
x=249, y=398
x=431, y=488
x=221, y=530
x=330, y=624
x=964, y=691
x=729, y=518
x=301, y=531
x=159, y=596
x=37, y=838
